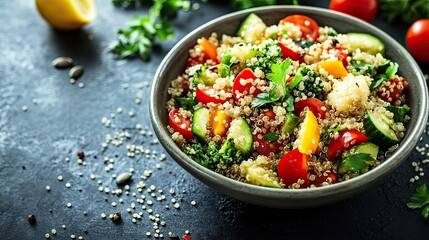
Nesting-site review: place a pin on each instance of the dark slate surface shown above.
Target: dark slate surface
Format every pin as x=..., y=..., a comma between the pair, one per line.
x=66, y=119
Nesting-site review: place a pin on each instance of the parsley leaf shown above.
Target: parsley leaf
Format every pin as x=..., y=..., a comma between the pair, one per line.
x=278, y=86
x=278, y=73
x=420, y=199
x=139, y=37
x=357, y=163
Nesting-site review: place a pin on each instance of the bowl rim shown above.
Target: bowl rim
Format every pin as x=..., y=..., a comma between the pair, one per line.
x=210, y=177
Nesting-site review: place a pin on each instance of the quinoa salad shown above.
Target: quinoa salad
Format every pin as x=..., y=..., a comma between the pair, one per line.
x=291, y=105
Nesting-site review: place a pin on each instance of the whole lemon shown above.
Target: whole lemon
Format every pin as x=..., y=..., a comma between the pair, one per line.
x=67, y=14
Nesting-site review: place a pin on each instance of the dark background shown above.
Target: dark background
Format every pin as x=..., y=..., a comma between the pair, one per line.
x=66, y=119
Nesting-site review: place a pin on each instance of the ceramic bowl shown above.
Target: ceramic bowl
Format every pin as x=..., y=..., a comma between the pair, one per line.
x=175, y=61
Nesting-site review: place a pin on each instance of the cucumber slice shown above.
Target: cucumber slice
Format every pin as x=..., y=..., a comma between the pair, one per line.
x=378, y=130
x=369, y=148
x=252, y=28
x=365, y=42
x=200, y=120
x=399, y=112
x=290, y=123
x=241, y=135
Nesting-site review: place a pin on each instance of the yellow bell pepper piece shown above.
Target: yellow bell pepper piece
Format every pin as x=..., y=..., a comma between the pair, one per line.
x=335, y=68
x=309, y=134
x=219, y=121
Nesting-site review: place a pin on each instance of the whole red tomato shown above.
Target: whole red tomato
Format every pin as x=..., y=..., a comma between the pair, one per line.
x=363, y=9
x=418, y=40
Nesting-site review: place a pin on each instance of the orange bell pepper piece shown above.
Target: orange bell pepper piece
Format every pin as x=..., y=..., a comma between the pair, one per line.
x=335, y=68
x=219, y=121
x=208, y=48
x=310, y=134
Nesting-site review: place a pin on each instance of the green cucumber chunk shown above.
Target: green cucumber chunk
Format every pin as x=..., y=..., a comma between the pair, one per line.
x=290, y=123
x=241, y=135
x=365, y=42
x=369, y=148
x=200, y=121
x=357, y=163
x=399, y=112
x=252, y=28
x=378, y=130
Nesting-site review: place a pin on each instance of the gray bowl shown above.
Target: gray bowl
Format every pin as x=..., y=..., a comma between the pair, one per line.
x=174, y=63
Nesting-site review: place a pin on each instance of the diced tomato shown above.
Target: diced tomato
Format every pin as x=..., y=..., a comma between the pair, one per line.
x=392, y=92
x=292, y=167
x=342, y=55
x=185, y=87
x=204, y=97
x=192, y=61
x=238, y=89
x=307, y=25
x=346, y=139
x=315, y=105
x=265, y=147
x=183, y=126
x=289, y=53
x=318, y=182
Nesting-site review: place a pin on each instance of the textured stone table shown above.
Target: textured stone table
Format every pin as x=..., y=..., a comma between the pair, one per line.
x=40, y=144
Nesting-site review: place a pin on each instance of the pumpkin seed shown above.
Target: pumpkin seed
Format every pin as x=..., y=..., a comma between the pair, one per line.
x=76, y=72
x=123, y=178
x=62, y=62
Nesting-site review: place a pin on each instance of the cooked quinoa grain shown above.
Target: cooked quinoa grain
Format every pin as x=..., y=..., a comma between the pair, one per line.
x=278, y=107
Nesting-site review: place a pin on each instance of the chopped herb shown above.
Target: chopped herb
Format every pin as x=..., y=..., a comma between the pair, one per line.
x=420, y=199
x=304, y=44
x=382, y=77
x=363, y=67
x=271, y=137
x=326, y=134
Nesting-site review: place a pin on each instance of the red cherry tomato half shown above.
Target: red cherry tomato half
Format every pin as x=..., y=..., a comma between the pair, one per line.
x=289, y=53
x=293, y=166
x=239, y=89
x=208, y=95
x=265, y=147
x=315, y=105
x=307, y=25
x=392, y=92
x=318, y=182
x=180, y=124
x=418, y=40
x=346, y=139
x=363, y=9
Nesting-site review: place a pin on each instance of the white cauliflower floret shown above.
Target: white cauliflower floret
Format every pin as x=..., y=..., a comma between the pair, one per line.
x=350, y=95
x=259, y=172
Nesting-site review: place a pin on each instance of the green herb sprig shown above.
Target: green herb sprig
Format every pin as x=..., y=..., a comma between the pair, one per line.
x=420, y=199
x=406, y=10
x=278, y=91
x=138, y=39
